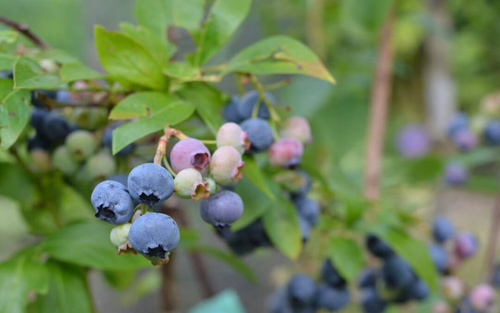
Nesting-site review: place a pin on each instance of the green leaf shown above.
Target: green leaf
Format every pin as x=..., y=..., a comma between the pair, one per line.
x=29, y=75
x=225, y=301
x=87, y=244
x=67, y=292
x=208, y=102
x=119, y=280
x=71, y=72
x=182, y=70
x=414, y=251
x=224, y=18
x=347, y=256
x=13, y=176
x=18, y=277
x=128, y=61
x=228, y=258
x=279, y=55
x=154, y=111
x=8, y=36
x=158, y=15
x=159, y=49
x=7, y=62
x=254, y=174
x=282, y=226
x=59, y=56
x=14, y=113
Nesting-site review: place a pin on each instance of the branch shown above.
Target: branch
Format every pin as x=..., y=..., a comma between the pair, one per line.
x=24, y=29
x=378, y=111
x=493, y=240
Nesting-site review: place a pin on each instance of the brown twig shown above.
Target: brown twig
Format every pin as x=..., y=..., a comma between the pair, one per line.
x=378, y=111
x=24, y=29
x=493, y=240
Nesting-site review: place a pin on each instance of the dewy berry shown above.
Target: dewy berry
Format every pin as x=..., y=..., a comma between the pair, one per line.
x=249, y=100
x=230, y=111
x=231, y=134
x=189, y=184
x=222, y=209
x=119, y=235
x=286, y=152
x=413, y=142
x=112, y=202
x=190, y=153
x=260, y=134
x=150, y=184
x=298, y=128
x=81, y=144
x=442, y=229
x=226, y=166
x=154, y=235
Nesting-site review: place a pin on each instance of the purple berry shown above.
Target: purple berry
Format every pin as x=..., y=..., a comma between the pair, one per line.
x=465, y=139
x=260, y=134
x=482, y=297
x=190, y=153
x=150, y=184
x=286, y=152
x=413, y=142
x=112, y=202
x=226, y=166
x=456, y=174
x=465, y=245
x=222, y=209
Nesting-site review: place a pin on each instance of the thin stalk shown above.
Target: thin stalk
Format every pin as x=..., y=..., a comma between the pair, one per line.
x=24, y=29
x=493, y=241
x=209, y=142
x=165, y=161
x=274, y=116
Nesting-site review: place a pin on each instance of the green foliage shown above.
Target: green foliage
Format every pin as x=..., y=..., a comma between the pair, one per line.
x=14, y=113
x=347, y=256
x=29, y=75
x=74, y=71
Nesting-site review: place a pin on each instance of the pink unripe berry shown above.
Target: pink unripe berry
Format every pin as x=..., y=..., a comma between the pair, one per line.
x=189, y=184
x=226, y=166
x=453, y=288
x=190, y=153
x=297, y=127
x=482, y=297
x=286, y=152
x=231, y=134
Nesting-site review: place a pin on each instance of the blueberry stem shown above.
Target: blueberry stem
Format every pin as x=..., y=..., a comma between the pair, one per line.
x=167, y=166
x=274, y=116
x=277, y=84
x=209, y=142
x=24, y=29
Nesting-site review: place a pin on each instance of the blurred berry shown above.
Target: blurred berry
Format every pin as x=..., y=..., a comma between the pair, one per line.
x=230, y=111
x=459, y=121
x=492, y=132
x=286, y=152
x=466, y=245
x=81, y=144
x=378, y=247
x=249, y=100
x=63, y=161
x=456, y=174
x=442, y=229
x=465, y=139
x=331, y=276
x=413, y=142
x=298, y=128
x=100, y=166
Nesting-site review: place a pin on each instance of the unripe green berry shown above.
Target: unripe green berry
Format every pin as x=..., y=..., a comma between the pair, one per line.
x=40, y=160
x=63, y=160
x=226, y=166
x=81, y=144
x=119, y=235
x=100, y=165
x=211, y=185
x=189, y=184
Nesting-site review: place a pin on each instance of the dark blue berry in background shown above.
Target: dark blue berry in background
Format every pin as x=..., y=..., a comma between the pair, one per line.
x=330, y=275
x=442, y=229
x=378, y=247
x=230, y=111
x=248, y=101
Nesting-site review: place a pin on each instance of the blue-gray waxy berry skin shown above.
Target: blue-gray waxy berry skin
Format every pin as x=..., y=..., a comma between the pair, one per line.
x=301, y=289
x=260, y=134
x=332, y=299
x=112, y=202
x=221, y=209
x=154, y=235
x=396, y=273
x=308, y=209
x=442, y=229
x=249, y=100
x=150, y=183
x=230, y=111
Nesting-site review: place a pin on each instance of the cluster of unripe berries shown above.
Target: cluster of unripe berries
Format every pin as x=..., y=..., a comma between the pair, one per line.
x=303, y=295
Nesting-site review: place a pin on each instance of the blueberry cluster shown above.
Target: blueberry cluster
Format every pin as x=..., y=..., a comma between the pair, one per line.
x=302, y=294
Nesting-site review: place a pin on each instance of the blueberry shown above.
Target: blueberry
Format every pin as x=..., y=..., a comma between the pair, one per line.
x=298, y=128
x=331, y=298
x=465, y=245
x=413, y=141
x=190, y=153
x=121, y=178
x=38, y=142
x=81, y=144
x=482, y=298
x=465, y=139
x=189, y=184
x=63, y=161
x=260, y=134
x=331, y=276
x=456, y=174
x=378, y=247
x=496, y=276
x=64, y=96
x=286, y=152
x=305, y=229
x=55, y=127
x=248, y=238
x=279, y=303
x=492, y=132
x=112, y=202
x=154, y=235
x=308, y=209
x=231, y=134
x=119, y=235
x=37, y=117
x=371, y=301
x=418, y=290
x=249, y=100
x=230, y=111
x=367, y=278
x=222, y=209
x=301, y=290
x=442, y=229
x=440, y=257
x=396, y=273
x=226, y=166
x=150, y=184
x=459, y=121
x=107, y=141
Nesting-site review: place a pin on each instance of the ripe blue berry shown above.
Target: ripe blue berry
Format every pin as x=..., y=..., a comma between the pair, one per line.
x=38, y=142
x=305, y=229
x=456, y=174
x=492, y=132
x=367, y=278
x=413, y=142
x=55, y=127
x=331, y=276
x=378, y=247
x=332, y=299
x=249, y=100
x=418, y=290
x=37, y=117
x=189, y=184
x=222, y=209
x=298, y=128
x=231, y=134
x=286, y=152
x=190, y=153
x=459, y=121
x=226, y=166
x=465, y=139
x=279, y=303
x=154, y=235
x=150, y=184
x=301, y=290
x=112, y=202
x=371, y=301
x=465, y=245
x=308, y=209
x=260, y=134
x=442, y=229
x=396, y=273
x=439, y=257
x=230, y=111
